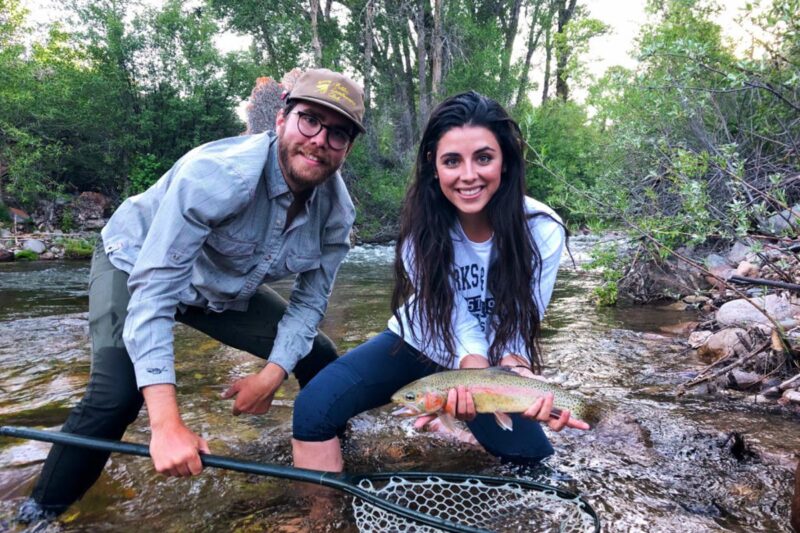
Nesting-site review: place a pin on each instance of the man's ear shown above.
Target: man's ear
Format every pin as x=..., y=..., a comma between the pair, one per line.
x=280, y=119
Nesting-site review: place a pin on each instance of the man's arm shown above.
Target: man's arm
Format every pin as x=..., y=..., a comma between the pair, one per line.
x=189, y=207
x=173, y=447
x=298, y=327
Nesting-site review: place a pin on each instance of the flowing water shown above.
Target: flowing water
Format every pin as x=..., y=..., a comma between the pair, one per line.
x=656, y=463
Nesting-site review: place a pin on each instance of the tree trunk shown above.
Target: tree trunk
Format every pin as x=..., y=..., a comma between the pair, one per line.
x=315, y=42
x=565, y=12
x=548, y=48
x=436, y=63
x=422, y=74
x=369, y=15
x=533, y=42
x=510, y=35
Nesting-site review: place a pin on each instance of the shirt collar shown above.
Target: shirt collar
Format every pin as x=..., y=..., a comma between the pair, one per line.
x=276, y=184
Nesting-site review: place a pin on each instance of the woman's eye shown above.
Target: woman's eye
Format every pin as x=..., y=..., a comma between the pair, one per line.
x=484, y=159
x=450, y=162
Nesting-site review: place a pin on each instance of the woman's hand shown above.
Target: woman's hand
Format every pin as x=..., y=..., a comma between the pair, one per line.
x=542, y=410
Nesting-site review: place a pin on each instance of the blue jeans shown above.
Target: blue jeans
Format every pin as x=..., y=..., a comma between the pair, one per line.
x=367, y=376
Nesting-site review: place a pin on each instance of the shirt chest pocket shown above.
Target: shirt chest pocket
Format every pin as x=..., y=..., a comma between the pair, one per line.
x=304, y=261
x=230, y=254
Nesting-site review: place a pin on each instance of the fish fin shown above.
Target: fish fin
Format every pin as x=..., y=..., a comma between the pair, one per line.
x=448, y=421
x=504, y=421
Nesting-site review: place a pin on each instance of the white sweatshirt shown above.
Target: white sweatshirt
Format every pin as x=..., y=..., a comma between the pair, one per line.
x=473, y=303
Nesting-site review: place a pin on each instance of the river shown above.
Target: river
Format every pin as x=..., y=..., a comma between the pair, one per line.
x=657, y=463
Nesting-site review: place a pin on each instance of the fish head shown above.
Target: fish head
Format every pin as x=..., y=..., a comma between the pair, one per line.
x=415, y=402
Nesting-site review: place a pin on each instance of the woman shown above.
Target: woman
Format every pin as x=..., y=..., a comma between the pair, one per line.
x=475, y=267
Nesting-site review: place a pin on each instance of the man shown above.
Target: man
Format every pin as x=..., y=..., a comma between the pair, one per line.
x=197, y=247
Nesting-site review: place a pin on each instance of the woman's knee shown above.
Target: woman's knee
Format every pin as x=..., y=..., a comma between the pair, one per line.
x=312, y=419
x=526, y=444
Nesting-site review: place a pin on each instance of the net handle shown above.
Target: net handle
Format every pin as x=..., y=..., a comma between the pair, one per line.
x=341, y=482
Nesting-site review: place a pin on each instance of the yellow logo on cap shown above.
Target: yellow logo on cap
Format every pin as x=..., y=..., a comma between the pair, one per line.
x=335, y=91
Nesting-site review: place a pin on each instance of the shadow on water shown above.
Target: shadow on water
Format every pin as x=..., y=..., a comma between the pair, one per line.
x=655, y=463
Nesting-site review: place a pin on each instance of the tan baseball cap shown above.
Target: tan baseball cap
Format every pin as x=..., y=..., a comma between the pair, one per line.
x=332, y=90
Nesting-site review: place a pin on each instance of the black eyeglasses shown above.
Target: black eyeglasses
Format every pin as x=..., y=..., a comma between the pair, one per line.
x=309, y=125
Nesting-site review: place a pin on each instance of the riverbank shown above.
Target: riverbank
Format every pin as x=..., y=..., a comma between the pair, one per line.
x=46, y=246
x=748, y=294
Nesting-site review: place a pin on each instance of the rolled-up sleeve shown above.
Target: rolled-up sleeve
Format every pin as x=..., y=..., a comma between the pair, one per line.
x=309, y=298
x=201, y=193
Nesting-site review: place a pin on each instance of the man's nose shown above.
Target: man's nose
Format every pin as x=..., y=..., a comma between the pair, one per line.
x=321, y=138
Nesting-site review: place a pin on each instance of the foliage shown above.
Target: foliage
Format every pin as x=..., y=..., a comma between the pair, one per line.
x=78, y=248
x=145, y=171
x=378, y=192
x=67, y=221
x=699, y=140
x=26, y=255
x=565, y=151
x=611, y=263
x=84, y=105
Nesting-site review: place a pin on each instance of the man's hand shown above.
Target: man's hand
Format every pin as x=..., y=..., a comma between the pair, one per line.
x=254, y=393
x=174, y=448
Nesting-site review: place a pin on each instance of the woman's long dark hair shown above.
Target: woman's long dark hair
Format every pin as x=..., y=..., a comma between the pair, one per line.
x=425, y=225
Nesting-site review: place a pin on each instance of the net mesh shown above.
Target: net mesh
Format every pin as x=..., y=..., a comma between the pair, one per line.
x=505, y=507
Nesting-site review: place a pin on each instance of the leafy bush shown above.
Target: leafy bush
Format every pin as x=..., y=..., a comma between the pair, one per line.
x=145, y=171
x=78, y=248
x=611, y=263
x=67, y=220
x=26, y=255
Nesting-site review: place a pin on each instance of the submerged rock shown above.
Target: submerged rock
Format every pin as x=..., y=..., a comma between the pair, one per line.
x=723, y=344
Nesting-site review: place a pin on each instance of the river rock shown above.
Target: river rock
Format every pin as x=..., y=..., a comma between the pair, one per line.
x=747, y=269
x=18, y=216
x=739, y=252
x=90, y=209
x=741, y=313
x=698, y=338
x=722, y=344
x=6, y=256
x=47, y=256
x=783, y=221
x=739, y=379
x=34, y=245
x=696, y=299
x=681, y=328
x=792, y=395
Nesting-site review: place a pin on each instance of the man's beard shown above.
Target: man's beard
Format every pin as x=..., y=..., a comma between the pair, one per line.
x=304, y=177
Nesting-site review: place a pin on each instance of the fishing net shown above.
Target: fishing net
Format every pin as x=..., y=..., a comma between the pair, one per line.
x=470, y=502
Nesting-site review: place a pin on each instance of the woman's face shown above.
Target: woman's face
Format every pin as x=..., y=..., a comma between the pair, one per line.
x=469, y=164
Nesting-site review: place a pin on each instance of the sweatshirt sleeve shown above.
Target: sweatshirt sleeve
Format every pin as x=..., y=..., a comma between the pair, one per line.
x=550, y=238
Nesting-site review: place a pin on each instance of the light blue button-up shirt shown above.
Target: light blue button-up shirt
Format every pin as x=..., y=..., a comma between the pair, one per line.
x=209, y=232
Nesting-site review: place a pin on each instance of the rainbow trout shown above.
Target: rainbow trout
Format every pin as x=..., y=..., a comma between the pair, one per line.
x=494, y=390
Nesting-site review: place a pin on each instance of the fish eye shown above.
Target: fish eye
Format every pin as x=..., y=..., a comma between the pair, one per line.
x=411, y=396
